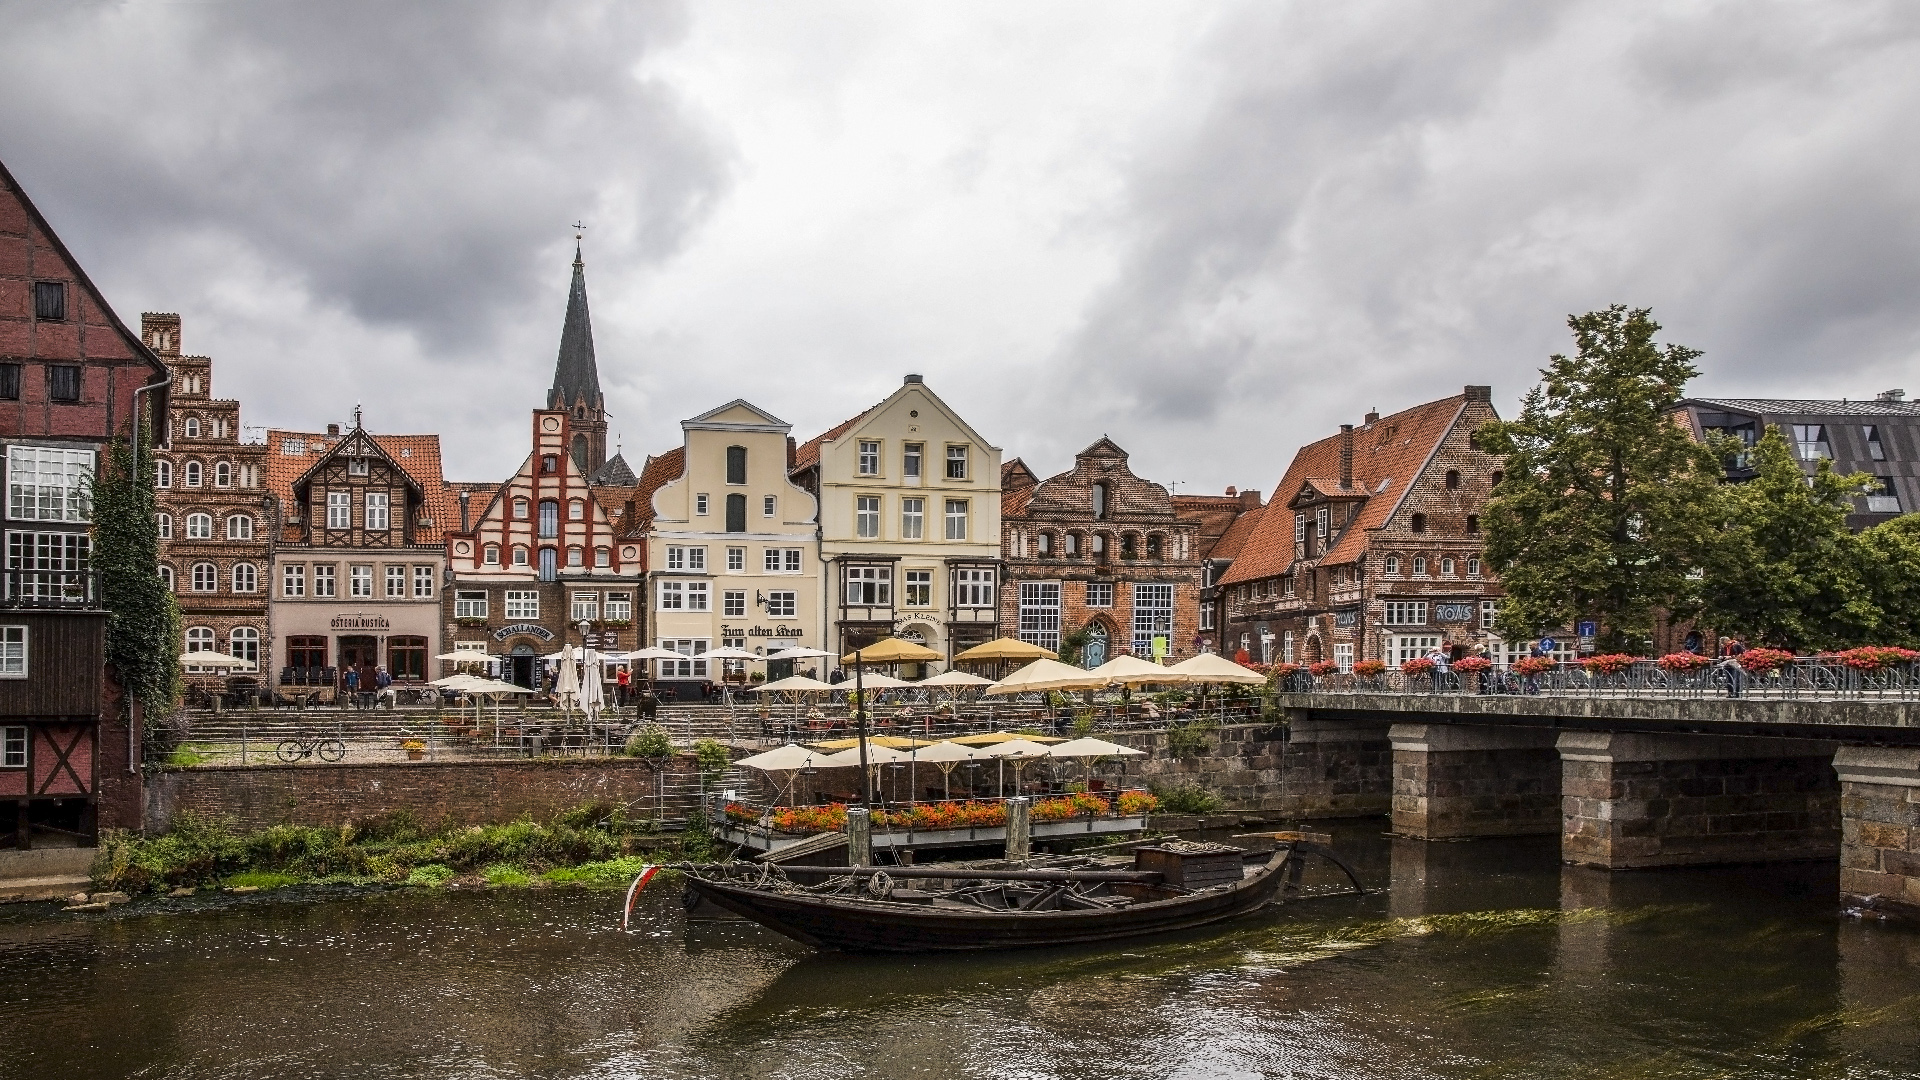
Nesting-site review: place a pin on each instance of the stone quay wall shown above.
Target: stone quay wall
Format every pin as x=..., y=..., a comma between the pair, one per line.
x=1306, y=769
x=1880, y=842
x=457, y=793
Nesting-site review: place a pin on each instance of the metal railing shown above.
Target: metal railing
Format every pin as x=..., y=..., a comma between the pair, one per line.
x=55, y=589
x=1810, y=677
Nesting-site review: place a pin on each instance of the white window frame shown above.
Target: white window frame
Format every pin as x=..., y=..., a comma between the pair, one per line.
x=958, y=511
x=13, y=653
x=702, y=504
x=339, y=509
x=204, y=577
x=958, y=465
x=379, y=506
x=422, y=582
x=586, y=605
x=736, y=558
x=522, y=604
x=916, y=588
x=245, y=577
x=470, y=603
x=13, y=745
x=190, y=474
x=1039, y=614
x=619, y=607
x=164, y=523
x=975, y=587
x=1404, y=613
x=293, y=579
x=683, y=669
x=1343, y=656
x=869, y=586
x=867, y=462
x=866, y=517
x=769, y=506
x=359, y=581
x=913, y=518
x=912, y=460
x=733, y=603
x=395, y=578
x=240, y=527
x=1099, y=594
x=199, y=526
x=782, y=603
x=780, y=561
x=243, y=642
x=47, y=483
x=326, y=580
x=1404, y=647
x=1153, y=608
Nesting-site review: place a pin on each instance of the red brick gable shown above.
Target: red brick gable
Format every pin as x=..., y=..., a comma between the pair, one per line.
x=1388, y=454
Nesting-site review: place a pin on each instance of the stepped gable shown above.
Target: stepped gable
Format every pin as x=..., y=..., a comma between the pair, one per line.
x=1387, y=455
x=1017, y=482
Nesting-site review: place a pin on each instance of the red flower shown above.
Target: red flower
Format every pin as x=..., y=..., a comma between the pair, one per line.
x=1472, y=665
x=1419, y=665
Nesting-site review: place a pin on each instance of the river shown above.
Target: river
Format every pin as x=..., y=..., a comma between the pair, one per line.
x=1486, y=959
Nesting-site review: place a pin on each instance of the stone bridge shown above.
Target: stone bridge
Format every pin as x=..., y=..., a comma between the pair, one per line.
x=1649, y=780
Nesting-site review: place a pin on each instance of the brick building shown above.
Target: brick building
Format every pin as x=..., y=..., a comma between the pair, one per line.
x=1098, y=549
x=1371, y=547
x=1222, y=522
x=73, y=377
x=214, y=512
x=559, y=542
x=358, y=556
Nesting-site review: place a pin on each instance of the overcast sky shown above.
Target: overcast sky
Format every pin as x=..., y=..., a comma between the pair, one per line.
x=1212, y=232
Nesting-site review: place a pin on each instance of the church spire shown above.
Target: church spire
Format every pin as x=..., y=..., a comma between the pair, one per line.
x=576, y=378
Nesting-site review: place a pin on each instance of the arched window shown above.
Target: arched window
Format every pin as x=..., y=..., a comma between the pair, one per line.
x=736, y=464
x=1419, y=523
x=1100, y=502
x=1072, y=544
x=244, y=644
x=199, y=639
x=193, y=427
x=206, y=577
x=1154, y=547
x=191, y=473
x=549, y=560
x=1446, y=567
x=549, y=518
x=520, y=509
x=1419, y=565
x=490, y=555
x=736, y=512
x=165, y=524
x=576, y=556
x=1497, y=477
x=1473, y=524
x=163, y=473
x=519, y=556
x=576, y=510
x=1045, y=544
x=580, y=452
x=222, y=474
x=246, y=578
x=1393, y=564
x=199, y=526
x=240, y=527
x=1099, y=545
x=1453, y=479
x=166, y=576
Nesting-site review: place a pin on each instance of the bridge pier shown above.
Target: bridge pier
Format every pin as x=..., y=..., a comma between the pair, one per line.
x=1634, y=800
x=1455, y=780
x=1880, y=825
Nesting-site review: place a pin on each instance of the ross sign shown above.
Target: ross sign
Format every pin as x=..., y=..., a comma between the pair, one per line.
x=360, y=622
x=1453, y=612
x=1349, y=617
x=534, y=629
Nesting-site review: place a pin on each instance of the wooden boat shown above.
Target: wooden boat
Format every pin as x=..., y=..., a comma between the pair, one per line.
x=1171, y=887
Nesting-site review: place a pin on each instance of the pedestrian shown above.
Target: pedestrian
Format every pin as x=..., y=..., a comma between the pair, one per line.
x=383, y=688
x=1736, y=675
x=1442, y=668
x=350, y=682
x=622, y=684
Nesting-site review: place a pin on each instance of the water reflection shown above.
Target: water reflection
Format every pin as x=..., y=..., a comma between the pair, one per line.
x=1486, y=959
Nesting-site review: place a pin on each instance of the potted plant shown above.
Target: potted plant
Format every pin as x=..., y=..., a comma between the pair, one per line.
x=1533, y=665
x=1419, y=665
x=1764, y=661
x=1473, y=665
x=1368, y=669
x=415, y=749
x=1683, y=661
x=1608, y=663
x=1322, y=668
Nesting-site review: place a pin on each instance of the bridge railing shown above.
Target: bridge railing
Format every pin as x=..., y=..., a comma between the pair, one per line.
x=1811, y=677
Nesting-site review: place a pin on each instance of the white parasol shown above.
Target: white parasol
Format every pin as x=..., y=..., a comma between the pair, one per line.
x=566, y=689
x=592, y=695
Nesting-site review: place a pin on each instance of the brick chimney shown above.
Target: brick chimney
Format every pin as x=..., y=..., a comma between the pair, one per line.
x=1479, y=393
x=1373, y=416
x=1250, y=500
x=466, y=524
x=1346, y=456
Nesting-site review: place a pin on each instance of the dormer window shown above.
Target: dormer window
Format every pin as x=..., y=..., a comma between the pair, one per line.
x=357, y=466
x=1300, y=528
x=1322, y=518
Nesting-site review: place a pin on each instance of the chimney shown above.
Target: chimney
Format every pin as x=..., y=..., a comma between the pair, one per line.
x=333, y=429
x=1231, y=491
x=912, y=379
x=1479, y=393
x=466, y=524
x=1250, y=500
x=793, y=452
x=1346, y=456
x=1891, y=397
x=629, y=517
x=1373, y=416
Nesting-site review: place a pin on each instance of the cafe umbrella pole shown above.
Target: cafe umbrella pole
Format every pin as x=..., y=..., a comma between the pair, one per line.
x=860, y=707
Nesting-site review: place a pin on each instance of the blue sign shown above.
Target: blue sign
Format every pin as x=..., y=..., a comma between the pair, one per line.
x=1547, y=644
x=1587, y=629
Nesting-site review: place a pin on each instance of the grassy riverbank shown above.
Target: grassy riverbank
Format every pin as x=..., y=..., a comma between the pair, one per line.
x=590, y=845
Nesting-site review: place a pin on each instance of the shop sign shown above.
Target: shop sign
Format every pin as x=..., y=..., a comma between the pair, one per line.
x=360, y=622
x=1452, y=612
x=534, y=629
x=763, y=631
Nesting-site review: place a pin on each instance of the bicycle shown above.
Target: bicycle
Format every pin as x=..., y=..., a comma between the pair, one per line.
x=301, y=747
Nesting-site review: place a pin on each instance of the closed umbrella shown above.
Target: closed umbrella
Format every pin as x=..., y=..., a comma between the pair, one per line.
x=566, y=689
x=592, y=694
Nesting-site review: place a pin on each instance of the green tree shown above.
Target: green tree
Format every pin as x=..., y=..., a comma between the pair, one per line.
x=143, y=623
x=1608, y=507
x=1788, y=573
x=1890, y=567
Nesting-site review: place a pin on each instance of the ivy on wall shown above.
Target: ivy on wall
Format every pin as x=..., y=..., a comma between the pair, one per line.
x=143, y=622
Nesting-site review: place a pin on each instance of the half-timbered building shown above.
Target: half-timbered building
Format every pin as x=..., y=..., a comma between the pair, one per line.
x=73, y=377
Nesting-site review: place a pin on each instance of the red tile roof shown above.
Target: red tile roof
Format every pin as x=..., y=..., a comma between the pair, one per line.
x=1235, y=540
x=1214, y=514
x=657, y=473
x=1387, y=455
x=1017, y=484
x=291, y=453
x=808, y=455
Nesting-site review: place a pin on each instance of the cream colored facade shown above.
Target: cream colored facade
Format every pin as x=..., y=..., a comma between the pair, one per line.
x=732, y=555
x=909, y=525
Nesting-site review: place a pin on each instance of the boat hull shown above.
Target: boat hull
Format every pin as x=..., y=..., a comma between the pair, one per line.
x=850, y=925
